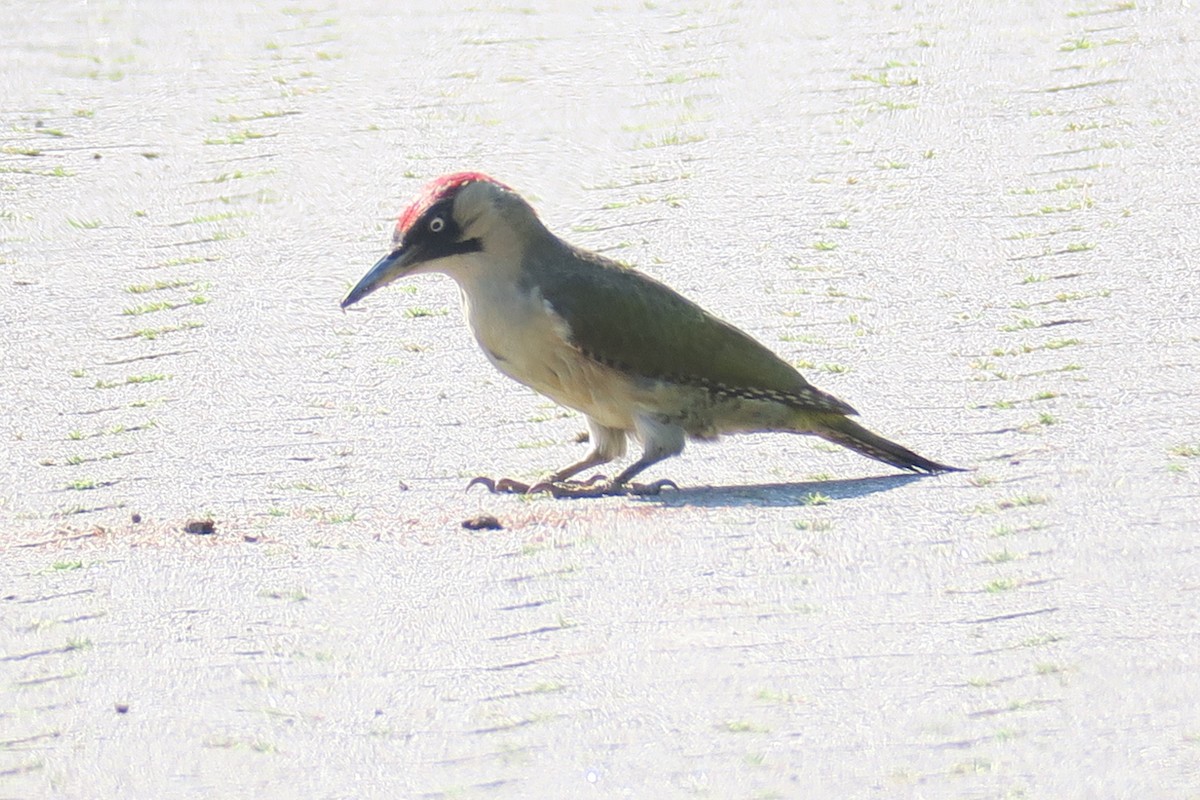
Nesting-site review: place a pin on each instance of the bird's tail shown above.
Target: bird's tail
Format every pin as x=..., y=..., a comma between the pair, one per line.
x=848, y=433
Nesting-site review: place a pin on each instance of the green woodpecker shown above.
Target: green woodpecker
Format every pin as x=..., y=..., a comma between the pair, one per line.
x=632, y=355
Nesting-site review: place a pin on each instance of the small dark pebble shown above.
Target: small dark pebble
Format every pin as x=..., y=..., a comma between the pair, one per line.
x=484, y=522
x=96, y=156
x=200, y=527
x=249, y=537
x=122, y=708
x=136, y=518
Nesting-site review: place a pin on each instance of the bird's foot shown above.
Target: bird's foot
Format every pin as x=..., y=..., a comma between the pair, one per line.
x=550, y=486
x=595, y=486
x=600, y=486
x=501, y=486
x=651, y=489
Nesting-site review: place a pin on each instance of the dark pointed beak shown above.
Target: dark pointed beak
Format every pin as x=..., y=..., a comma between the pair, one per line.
x=395, y=264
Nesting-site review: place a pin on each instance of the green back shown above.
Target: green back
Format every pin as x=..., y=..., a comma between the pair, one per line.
x=619, y=316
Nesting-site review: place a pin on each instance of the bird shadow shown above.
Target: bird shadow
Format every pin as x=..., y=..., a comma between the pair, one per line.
x=801, y=493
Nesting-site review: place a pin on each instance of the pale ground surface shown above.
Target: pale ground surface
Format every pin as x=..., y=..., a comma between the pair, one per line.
x=976, y=225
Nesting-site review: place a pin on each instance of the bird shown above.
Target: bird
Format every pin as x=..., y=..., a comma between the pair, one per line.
x=635, y=357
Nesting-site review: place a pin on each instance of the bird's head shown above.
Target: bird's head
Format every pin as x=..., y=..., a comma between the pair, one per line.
x=456, y=219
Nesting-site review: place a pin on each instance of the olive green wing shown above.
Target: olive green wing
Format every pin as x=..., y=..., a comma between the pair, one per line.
x=624, y=318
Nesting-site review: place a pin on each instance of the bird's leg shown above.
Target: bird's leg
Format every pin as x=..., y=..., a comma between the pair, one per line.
x=660, y=440
x=607, y=444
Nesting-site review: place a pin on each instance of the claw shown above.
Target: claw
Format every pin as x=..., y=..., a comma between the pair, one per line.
x=502, y=486
x=481, y=480
x=599, y=486
x=595, y=486
x=652, y=489
x=566, y=487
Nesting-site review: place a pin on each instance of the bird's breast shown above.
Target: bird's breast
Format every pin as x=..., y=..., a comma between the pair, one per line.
x=525, y=338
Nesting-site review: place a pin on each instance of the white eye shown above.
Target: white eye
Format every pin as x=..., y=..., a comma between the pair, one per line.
x=437, y=224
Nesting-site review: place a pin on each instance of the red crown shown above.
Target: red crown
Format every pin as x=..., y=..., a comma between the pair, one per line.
x=437, y=190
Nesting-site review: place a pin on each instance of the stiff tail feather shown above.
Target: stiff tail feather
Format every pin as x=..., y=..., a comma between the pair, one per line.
x=848, y=433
